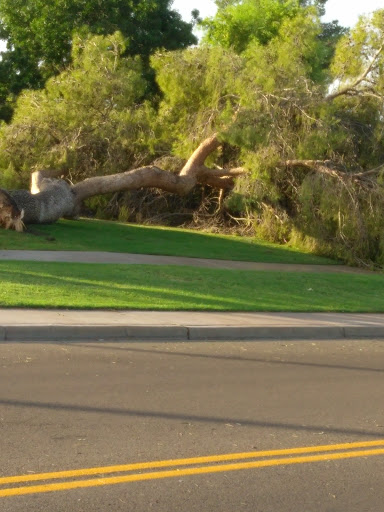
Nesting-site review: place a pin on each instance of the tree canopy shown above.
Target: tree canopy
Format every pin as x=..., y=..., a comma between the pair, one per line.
x=236, y=24
x=39, y=35
x=239, y=23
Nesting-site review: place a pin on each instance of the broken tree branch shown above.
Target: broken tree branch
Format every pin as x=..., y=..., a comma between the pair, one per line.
x=348, y=88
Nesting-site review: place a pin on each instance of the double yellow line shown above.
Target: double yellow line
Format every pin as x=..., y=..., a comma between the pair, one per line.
x=201, y=465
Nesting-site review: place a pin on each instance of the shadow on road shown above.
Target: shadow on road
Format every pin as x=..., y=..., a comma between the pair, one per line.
x=187, y=417
x=231, y=358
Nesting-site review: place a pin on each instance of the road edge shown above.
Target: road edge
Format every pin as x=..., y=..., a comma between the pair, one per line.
x=10, y=333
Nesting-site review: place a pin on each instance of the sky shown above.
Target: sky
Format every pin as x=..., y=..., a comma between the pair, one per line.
x=345, y=11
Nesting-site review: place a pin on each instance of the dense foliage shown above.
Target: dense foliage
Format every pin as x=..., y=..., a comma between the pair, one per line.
x=296, y=103
x=39, y=35
x=238, y=24
x=89, y=119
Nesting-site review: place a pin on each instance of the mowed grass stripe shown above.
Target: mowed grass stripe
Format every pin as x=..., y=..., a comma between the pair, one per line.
x=98, y=482
x=146, y=287
x=187, y=461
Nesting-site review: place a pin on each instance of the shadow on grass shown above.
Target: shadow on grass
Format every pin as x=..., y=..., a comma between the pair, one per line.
x=145, y=287
x=68, y=291
x=96, y=235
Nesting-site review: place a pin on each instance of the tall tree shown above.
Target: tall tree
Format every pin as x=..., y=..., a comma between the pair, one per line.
x=239, y=23
x=39, y=35
x=236, y=23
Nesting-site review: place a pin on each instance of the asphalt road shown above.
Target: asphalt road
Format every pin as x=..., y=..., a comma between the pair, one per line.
x=78, y=406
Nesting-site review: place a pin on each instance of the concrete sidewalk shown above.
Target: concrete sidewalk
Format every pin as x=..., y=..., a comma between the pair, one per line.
x=67, y=325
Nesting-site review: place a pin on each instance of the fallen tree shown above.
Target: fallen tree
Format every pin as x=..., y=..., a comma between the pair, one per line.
x=51, y=198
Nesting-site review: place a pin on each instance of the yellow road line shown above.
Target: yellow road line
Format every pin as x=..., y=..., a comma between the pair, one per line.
x=186, y=462
x=98, y=482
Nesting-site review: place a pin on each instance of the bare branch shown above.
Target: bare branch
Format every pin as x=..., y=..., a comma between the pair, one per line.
x=318, y=165
x=193, y=172
x=371, y=172
x=199, y=156
x=143, y=177
x=348, y=88
x=329, y=167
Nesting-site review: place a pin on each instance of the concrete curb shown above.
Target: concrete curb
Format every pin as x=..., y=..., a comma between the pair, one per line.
x=9, y=333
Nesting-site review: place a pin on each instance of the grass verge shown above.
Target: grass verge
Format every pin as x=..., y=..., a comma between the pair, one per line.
x=85, y=286
x=97, y=235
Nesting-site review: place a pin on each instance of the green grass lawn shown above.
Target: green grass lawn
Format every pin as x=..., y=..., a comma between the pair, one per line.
x=96, y=235
x=86, y=286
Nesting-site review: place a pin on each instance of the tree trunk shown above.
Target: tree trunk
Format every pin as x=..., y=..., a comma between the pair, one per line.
x=51, y=198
